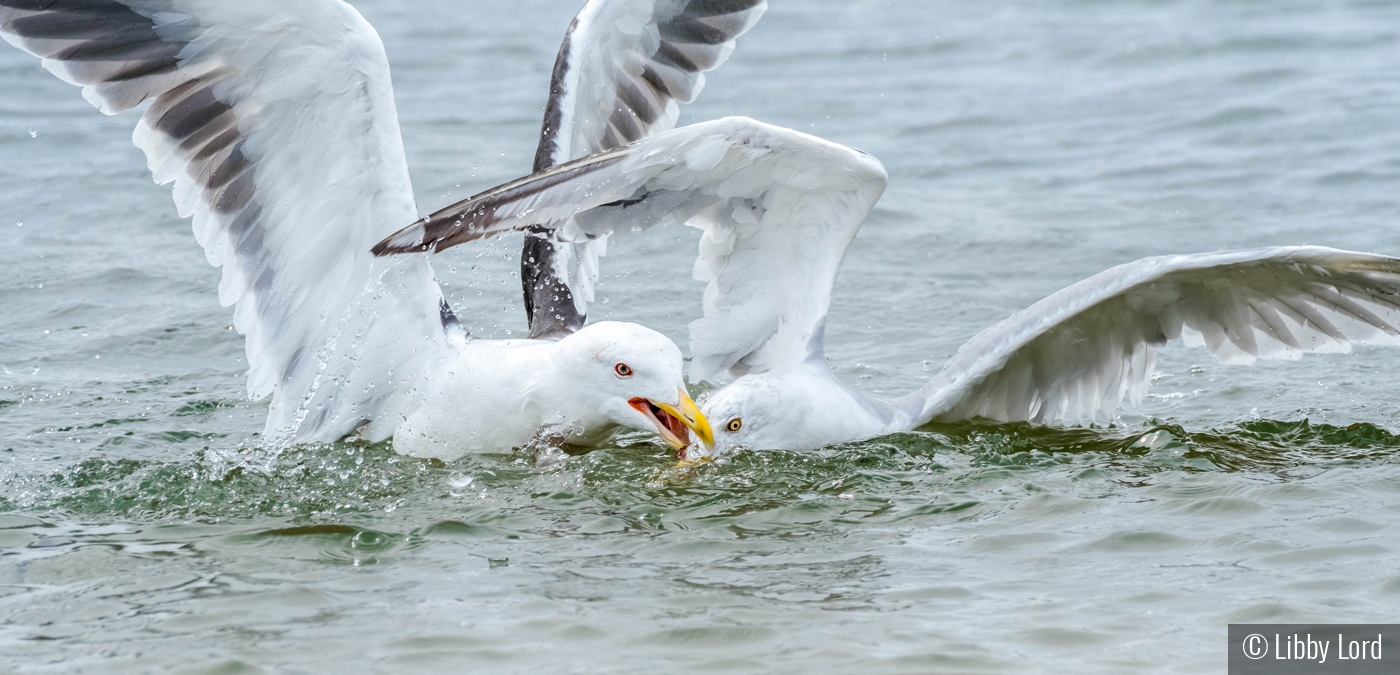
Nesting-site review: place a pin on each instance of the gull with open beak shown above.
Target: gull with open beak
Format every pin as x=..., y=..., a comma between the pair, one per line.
x=276, y=124
x=675, y=422
x=494, y=395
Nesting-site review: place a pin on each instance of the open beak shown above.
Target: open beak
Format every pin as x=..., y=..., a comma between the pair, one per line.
x=675, y=422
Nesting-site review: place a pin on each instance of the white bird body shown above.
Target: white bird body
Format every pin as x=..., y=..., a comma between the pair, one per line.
x=1081, y=351
x=490, y=395
x=276, y=123
x=801, y=408
x=779, y=209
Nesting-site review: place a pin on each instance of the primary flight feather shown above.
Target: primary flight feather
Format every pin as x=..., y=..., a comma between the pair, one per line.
x=622, y=71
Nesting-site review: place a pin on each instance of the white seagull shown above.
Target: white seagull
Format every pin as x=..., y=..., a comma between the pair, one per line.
x=778, y=209
x=276, y=123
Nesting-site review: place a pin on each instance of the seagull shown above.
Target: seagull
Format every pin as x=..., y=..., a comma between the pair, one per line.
x=275, y=121
x=623, y=70
x=778, y=209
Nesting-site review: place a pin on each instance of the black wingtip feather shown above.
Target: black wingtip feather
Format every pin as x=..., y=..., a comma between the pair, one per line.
x=61, y=5
x=707, y=8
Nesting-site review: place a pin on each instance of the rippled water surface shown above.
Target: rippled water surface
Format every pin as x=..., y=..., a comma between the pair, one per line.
x=1029, y=144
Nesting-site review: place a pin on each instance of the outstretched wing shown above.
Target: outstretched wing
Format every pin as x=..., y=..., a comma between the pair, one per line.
x=276, y=123
x=625, y=65
x=1080, y=351
x=622, y=70
x=778, y=208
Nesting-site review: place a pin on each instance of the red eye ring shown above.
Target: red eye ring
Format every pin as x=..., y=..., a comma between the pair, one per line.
x=623, y=370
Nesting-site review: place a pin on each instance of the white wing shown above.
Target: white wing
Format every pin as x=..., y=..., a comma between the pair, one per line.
x=1080, y=351
x=622, y=70
x=778, y=208
x=625, y=65
x=276, y=123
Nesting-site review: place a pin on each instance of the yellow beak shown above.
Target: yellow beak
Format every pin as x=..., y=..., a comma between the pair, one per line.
x=672, y=421
x=689, y=414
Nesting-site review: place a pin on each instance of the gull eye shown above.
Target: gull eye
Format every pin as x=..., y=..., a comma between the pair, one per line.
x=623, y=370
x=734, y=425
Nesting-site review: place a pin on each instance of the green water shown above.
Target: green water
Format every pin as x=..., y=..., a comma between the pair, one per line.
x=963, y=548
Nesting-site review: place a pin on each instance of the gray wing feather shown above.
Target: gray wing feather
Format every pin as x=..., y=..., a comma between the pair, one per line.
x=613, y=84
x=1081, y=351
x=778, y=209
x=262, y=114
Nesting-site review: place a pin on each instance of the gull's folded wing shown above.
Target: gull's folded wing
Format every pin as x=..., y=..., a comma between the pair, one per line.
x=778, y=207
x=622, y=70
x=276, y=123
x=1080, y=351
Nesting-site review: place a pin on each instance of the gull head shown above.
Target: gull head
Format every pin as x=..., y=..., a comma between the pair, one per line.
x=631, y=375
x=752, y=412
